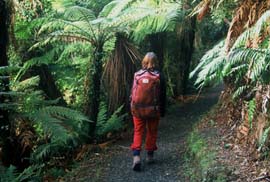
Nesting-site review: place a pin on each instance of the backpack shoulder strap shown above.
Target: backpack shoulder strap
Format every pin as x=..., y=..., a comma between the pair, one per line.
x=140, y=72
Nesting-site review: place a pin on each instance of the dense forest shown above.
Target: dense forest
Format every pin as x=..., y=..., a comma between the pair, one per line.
x=66, y=71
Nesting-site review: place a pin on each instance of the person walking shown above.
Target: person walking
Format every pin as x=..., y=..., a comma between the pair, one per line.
x=148, y=99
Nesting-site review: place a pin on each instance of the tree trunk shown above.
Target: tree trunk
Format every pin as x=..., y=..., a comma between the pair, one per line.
x=92, y=88
x=157, y=43
x=47, y=83
x=186, y=35
x=4, y=81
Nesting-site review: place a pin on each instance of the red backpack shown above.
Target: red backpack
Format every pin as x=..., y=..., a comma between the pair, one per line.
x=145, y=94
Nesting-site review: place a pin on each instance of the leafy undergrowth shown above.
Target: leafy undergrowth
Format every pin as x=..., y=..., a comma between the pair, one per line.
x=215, y=154
x=201, y=162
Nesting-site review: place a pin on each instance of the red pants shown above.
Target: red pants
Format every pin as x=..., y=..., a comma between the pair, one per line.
x=151, y=133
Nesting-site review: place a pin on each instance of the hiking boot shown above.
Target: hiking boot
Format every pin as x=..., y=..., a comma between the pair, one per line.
x=150, y=159
x=136, y=163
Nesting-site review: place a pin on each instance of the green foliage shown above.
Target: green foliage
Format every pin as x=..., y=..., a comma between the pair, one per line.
x=245, y=67
x=263, y=139
x=251, y=111
x=240, y=90
x=210, y=68
x=143, y=17
x=170, y=71
x=109, y=124
x=96, y=5
x=59, y=125
x=8, y=174
x=200, y=163
x=223, y=10
x=31, y=173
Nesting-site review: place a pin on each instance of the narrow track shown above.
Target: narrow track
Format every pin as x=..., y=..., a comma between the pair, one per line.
x=115, y=165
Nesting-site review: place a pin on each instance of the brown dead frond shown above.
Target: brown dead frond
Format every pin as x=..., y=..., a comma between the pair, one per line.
x=247, y=15
x=201, y=9
x=204, y=10
x=25, y=134
x=119, y=71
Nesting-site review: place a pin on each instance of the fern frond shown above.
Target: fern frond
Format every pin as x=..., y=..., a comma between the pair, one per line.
x=115, y=8
x=254, y=31
x=240, y=90
x=77, y=13
x=263, y=138
x=9, y=174
x=74, y=50
x=42, y=151
x=145, y=17
x=46, y=59
x=251, y=111
x=52, y=119
x=4, y=70
x=102, y=114
x=210, y=72
x=32, y=173
x=215, y=52
x=257, y=59
x=65, y=113
x=114, y=123
x=26, y=84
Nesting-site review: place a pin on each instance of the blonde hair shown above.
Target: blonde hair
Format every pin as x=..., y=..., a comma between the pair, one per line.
x=149, y=61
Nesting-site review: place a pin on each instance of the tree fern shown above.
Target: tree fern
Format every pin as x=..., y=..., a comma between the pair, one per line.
x=144, y=17
x=242, y=63
x=78, y=13
x=59, y=125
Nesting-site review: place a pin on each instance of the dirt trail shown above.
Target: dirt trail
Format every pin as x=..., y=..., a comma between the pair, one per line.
x=115, y=163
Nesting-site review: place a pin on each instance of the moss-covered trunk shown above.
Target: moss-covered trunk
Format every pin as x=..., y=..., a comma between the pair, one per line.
x=92, y=87
x=185, y=37
x=157, y=44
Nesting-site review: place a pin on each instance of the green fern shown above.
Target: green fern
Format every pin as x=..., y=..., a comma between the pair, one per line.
x=263, y=138
x=61, y=126
x=252, y=61
x=29, y=83
x=143, y=17
x=112, y=124
x=251, y=111
x=31, y=173
x=11, y=174
x=52, y=120
x=210, y=68
x=240, y=90
x=249, y=65
x=8, y=69
x=8, y=174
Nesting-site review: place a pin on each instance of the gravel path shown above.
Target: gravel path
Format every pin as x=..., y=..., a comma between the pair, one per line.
x=115, y=166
